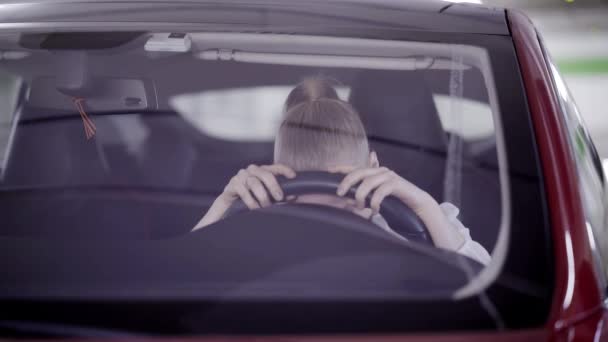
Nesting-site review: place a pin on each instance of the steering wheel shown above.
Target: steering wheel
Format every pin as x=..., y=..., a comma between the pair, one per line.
x=399, y=216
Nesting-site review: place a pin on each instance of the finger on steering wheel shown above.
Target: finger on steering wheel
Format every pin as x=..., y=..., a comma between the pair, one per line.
x=243, y=191
x=369, y=184
x=356, y=176
x=259, y=191
x=379, y=195
x=268, y=179
x=279, y=169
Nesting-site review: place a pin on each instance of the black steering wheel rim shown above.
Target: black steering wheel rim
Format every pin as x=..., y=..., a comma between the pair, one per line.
x=400, y=218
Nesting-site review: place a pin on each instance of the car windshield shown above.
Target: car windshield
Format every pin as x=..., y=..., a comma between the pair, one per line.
x=114, y=145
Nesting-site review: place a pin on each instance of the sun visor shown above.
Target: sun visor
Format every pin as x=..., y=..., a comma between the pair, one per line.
x=102, y=95
x=77, y=40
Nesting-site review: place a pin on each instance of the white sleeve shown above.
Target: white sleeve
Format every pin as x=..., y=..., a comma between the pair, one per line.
x=470, y=248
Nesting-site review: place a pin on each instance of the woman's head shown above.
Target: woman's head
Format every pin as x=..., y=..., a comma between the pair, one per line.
x=319, y=131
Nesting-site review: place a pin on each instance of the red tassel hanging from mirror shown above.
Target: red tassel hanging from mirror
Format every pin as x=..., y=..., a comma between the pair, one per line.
x=89, y=126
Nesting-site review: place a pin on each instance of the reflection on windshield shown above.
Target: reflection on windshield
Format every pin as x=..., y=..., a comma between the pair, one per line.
x=247, y=114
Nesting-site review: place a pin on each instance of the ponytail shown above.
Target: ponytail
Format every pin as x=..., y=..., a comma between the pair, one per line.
x=311, y=89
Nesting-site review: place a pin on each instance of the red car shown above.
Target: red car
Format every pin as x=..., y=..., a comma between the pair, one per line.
x=122, y=122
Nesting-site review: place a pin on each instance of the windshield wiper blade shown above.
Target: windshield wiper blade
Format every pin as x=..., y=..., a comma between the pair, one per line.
x=20, y=328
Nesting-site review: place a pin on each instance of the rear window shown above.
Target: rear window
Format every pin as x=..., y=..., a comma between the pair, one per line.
x=238, y=117
x=112, y=156
x=248, y=114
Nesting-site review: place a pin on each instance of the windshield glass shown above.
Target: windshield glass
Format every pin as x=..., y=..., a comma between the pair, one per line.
x=211, y=165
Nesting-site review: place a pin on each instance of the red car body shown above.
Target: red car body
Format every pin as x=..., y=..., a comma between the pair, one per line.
x=578, y=310
x=579, y=315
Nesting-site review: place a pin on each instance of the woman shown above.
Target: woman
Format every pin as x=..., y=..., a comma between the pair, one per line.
x=322, y=133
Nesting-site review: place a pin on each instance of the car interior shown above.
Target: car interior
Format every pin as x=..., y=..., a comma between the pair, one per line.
x=62, y=185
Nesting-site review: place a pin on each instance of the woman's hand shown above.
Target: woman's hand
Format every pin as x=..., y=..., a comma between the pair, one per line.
x=255, y=186
x=380, y=182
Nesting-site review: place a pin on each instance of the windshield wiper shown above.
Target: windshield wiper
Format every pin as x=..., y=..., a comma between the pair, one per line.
x=16, y=328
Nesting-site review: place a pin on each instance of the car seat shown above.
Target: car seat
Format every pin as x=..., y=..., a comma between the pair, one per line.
x=403, y=125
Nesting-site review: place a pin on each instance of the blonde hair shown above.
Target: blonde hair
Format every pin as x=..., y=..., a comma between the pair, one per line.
x=312, y=88
x=319, y=130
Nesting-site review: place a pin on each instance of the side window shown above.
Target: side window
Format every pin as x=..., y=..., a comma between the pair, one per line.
x=9, y=89
x=589, y=167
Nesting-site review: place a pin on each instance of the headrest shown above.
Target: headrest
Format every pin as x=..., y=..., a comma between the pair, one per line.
x=399, y=106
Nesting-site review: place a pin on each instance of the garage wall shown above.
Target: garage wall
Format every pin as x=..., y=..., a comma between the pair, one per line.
x=577, y=39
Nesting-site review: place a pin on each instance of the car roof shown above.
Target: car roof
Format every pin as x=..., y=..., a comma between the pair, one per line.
x=400, y=15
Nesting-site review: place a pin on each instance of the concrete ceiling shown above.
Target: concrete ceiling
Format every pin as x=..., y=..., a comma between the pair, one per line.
x=562, y=16
x=547, y=3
